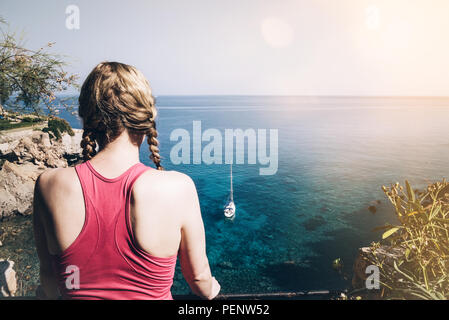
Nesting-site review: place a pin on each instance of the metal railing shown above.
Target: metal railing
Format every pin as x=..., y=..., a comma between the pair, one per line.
x=298, y=295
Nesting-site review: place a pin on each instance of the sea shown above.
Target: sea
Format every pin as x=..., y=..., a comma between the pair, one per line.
x=334, y=154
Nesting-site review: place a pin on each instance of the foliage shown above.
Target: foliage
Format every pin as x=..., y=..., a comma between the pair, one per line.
x=57, y=126
x=31, y=119
x=7, y=125
x=29, y=78
x=421, y=270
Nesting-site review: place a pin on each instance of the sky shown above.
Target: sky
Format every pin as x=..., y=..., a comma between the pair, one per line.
x=252, y=47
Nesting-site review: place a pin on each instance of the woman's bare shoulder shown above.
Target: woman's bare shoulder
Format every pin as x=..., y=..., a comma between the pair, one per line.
x=58, y=179
x=169, y=191
x=163, y=182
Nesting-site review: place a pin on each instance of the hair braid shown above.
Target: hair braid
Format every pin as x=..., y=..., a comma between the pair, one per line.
x=154, y=147
x=117, y=97
x=89, y=144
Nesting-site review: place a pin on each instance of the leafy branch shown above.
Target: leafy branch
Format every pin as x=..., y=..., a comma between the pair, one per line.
x=30, y=78
x=421, y=270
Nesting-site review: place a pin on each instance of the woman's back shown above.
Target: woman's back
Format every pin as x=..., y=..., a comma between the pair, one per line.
x=124, y=239
x=112, y=222
x=106, y=248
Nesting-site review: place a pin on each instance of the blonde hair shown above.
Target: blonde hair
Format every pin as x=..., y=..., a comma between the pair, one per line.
x=113, y=98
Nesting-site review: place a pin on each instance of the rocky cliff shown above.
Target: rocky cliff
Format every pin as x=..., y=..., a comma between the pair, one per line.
x=24, y=155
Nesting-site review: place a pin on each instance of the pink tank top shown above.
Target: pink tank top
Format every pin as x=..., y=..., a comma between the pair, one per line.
x=105, y=257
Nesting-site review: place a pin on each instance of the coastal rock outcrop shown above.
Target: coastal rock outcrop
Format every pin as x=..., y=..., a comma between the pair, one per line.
x=16, y=187
x=367, y=256
x=25, y=155
x=37, y=148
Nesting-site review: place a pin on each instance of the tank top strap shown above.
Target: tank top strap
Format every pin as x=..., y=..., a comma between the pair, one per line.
x=86, y=180
x=135, y=172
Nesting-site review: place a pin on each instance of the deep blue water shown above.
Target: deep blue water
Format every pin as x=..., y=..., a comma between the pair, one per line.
x=334, y=155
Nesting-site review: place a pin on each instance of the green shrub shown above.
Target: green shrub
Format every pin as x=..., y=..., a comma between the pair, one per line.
x=7, y=124
x=56, y=127
x=30, y=119
x=422, y=235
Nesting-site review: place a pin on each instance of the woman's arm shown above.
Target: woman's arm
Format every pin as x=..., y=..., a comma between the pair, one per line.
x=192, y=252
x=48, y=288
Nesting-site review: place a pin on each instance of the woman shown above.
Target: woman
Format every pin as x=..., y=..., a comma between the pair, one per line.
x=112, y=228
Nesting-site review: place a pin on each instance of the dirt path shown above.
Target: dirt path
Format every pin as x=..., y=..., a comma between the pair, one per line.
x=10, y=134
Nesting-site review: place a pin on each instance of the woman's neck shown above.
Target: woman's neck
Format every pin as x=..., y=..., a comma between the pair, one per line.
x=118, y=155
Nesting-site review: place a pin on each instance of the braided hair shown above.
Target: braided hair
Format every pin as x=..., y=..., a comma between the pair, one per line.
x=116, y=97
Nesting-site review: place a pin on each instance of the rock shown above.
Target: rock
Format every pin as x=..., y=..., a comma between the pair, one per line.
x=26, y=154
x=226, y=265
x=337, y=264
x=372, y=209
x=8, y=280
x=314, y=223
x=4, y=148
x=367, y=256
x=37, y=148
x=17, y=187
x=71, y=144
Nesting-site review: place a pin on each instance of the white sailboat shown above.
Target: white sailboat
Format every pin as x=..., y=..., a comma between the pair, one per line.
x=229, y=209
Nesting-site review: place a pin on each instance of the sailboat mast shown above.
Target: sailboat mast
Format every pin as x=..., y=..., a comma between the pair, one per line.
x=232, y=193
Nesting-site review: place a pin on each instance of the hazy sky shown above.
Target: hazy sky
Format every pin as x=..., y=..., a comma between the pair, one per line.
x=304, y=47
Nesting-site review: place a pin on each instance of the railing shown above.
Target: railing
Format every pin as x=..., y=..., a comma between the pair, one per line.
x=299, y=295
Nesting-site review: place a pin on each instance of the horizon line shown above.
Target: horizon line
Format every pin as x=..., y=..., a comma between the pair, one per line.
x=291, y=95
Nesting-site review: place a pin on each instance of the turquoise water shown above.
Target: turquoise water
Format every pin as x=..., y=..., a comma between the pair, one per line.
x=334, y=155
